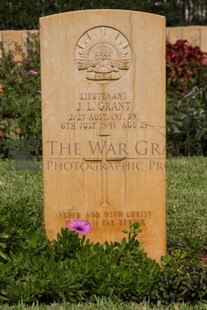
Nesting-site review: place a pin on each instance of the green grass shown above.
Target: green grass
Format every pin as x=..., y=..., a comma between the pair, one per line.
x=104, y=304
x=186, y=218
x=186, y=199
x=187, y=204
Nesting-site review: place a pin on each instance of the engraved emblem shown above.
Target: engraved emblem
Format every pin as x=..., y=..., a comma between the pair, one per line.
x=104, y=53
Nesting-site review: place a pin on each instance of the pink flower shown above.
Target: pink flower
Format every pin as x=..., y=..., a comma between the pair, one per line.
x=33, y=72
x=80, y=226
x=204, y=61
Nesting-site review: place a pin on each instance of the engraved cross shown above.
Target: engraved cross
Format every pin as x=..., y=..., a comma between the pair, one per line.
x=104, y=177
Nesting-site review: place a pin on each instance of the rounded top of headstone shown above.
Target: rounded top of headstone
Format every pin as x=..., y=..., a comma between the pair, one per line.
x=101, y=11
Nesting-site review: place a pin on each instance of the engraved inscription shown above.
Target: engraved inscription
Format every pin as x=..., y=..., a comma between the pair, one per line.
x=104, y=110
x=108, y=218
x=104, y=53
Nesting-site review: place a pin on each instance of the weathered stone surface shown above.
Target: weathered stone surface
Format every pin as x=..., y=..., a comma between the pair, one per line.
x=175, y=33
x=103, y=105
x=193, y=35
x=203, y=45
x=10, y=39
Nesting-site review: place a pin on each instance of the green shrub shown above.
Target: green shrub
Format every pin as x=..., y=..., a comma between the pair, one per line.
x=20, y=101
x=186, y=66
x=186, y=99
x=39, y=271
x=187, y=123
x=73, y=269
x=181, y=280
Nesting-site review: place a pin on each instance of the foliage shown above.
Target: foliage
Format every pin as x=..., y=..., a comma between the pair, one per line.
x=17, y=14
x=186, y=206
x=186, y=66
x=3, y=237
x=105, y=304
x=19, y=78
x=72, y=269
x=185, y=283
x=187, y=123
x=37, y=272
x=20, y=102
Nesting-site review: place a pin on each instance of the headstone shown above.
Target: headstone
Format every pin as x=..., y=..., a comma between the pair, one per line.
x=103, y=108
x=175, y=33
x=167, y=34
x=192, y=35
x=11, y=39
x=203, y=45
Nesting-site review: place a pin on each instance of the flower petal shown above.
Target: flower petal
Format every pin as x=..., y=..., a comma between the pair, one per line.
x=80, y=226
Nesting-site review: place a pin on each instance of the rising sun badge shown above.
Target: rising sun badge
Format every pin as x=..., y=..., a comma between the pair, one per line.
x=104, y=53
